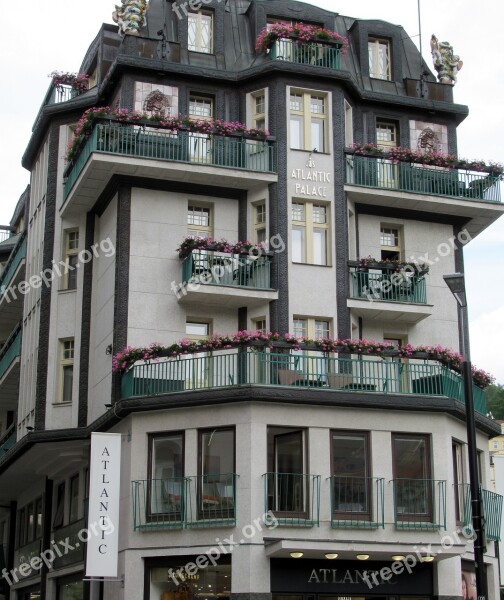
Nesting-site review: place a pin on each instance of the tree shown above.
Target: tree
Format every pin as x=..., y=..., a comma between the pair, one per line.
x=495, y=401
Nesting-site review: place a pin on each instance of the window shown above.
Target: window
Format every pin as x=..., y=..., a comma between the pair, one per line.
x=459, y=480
x=38, y=518
x=21, y=538
x=59, y=507
x=200, y=144
x=259, y=110
x=414, y=489
x=390, y=242
x=287, y=481
x=310, y=233
x=166, y=473
x=379, y=58
x=71, y=250
x=348, y=125
x=197, y=366
x=67, y=368
x=199, y=221
x=30, y=522
x=74, y=499
x=217, y=468
x=259, y=324
x=313, y=365
x=386, y=135
x=308, y=121
x=259, y=212
x=200, y=31
x=351, y=490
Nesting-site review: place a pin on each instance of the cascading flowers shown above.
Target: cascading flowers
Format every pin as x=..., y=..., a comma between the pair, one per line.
x=304, y=34
x=190, y=243
x=77, y=81
x=123, y=360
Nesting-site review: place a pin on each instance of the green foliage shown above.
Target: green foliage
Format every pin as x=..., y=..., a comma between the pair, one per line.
x=495, y=400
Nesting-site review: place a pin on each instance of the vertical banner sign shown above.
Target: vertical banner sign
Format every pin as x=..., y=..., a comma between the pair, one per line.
x=103, y=520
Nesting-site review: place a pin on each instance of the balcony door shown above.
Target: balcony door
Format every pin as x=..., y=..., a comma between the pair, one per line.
x=386, y=138
x=288, y=478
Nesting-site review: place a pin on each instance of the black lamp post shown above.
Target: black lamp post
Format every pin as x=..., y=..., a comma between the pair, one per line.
x=456, y=283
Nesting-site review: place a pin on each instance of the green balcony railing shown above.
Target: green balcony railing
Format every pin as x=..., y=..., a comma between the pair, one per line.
x=142, y=141
x=179, y=502
x=10, y=351
x=228, y=368
x=385, y=285
x=159, y=503
x=7, y=441
x=419, y=503
x=211, y=500
x=306, y=53
x=357, y=502
x=217, y=268
x=12, y=265
x=293, y=498
x=491, y=507
x=423, y=179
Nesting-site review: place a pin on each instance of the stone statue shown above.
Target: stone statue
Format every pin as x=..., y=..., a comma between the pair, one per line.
x=130, y=16
x=446, y=63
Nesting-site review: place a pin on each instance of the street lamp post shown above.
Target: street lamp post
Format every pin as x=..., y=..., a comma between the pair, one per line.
x=456, y=283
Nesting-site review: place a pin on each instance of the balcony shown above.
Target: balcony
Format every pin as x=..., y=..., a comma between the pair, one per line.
x=5, y=233
x=9, y=370
x=294, y=498
x=7, y=440
x=419, y=503
x=11, y=299
x=184, y=502
x=382, y=293
x=316, y=371
x=150, y=151
x=456, y=192
x=491, y=506
x=317, y=54
x=357, y=502
x=226, y=279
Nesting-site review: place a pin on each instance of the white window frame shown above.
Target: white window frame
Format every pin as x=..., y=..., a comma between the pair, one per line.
x=196, y=229
x=307, y=227
x=349, y=138
x=70, y=254
x=303, y=114
x=379, y=49
x=67, y=358
x=196, y=19
x=260, y=221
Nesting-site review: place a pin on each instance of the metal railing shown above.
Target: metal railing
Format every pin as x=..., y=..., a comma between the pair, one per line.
x=10, y=350
x=491, y=507
x=178, y=502
x=294, y=498
x=8, y=440
x=357, y=502
x=5, y=233
x=158, y=503
x=419, y=503
x=142, y=141
x=423, y=179
x=387, y=285
x=247, y=366
x=306, y=53
x=17, y=256
x=211, y=500
x=217, y=268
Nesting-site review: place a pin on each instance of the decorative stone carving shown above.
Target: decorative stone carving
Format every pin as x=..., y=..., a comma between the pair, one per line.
x=446, y=63
x=157, y=103
x=130, y=16
x=428, y=141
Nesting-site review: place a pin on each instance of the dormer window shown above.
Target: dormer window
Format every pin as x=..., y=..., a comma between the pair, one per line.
x=379, y=59
x=200, y=31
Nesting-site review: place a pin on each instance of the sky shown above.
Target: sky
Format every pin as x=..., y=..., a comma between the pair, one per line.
x=55, y=36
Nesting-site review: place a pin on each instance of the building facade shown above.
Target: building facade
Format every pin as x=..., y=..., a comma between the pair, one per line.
x=256, y=465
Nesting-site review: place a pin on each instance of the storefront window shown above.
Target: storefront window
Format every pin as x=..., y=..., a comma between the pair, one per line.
x=209, y=583
x=73, y=590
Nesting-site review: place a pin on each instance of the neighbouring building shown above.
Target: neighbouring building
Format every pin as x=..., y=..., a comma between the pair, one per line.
x=213, y=176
